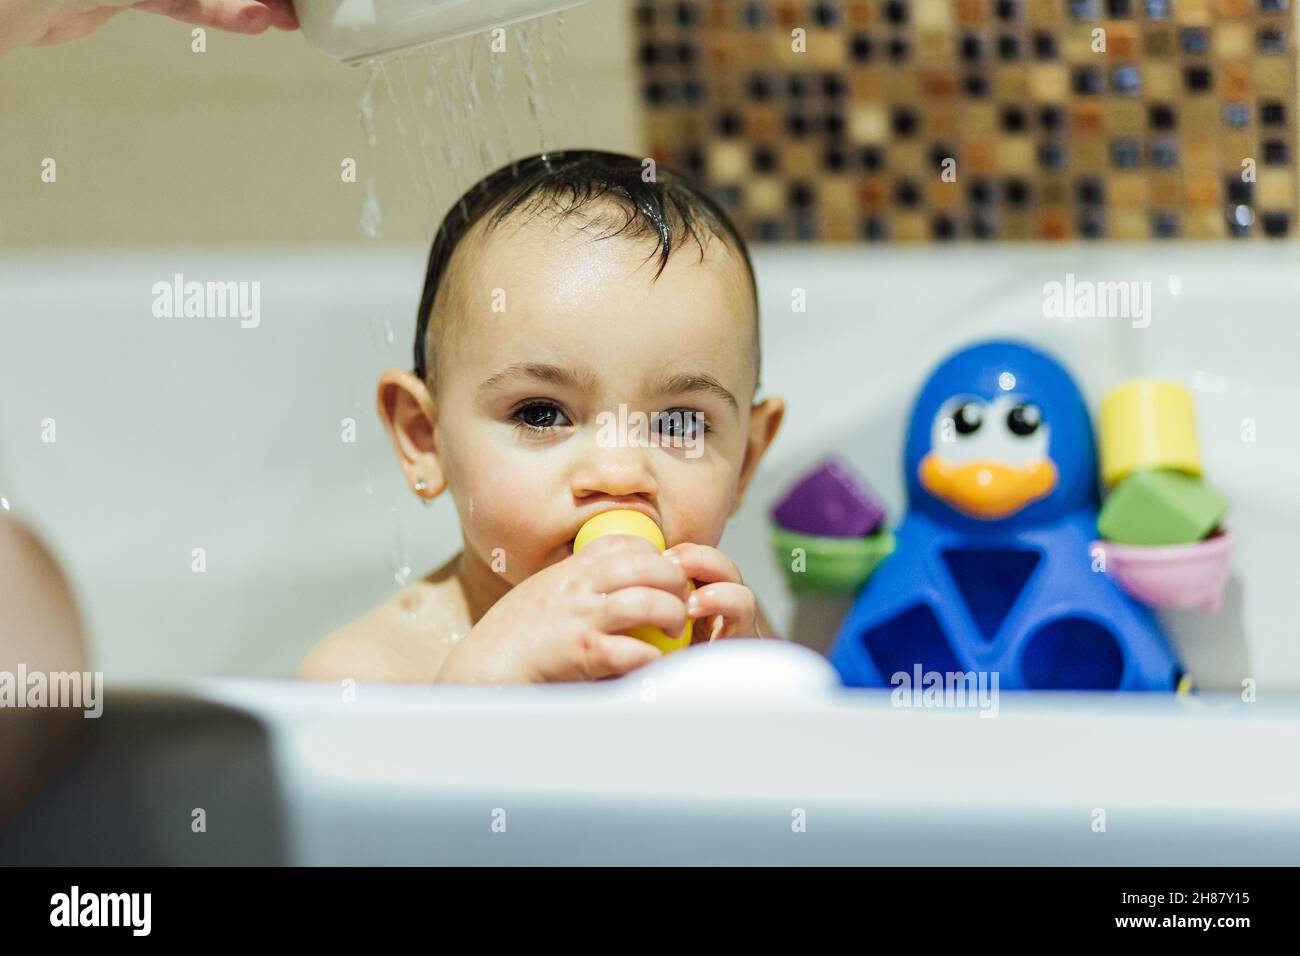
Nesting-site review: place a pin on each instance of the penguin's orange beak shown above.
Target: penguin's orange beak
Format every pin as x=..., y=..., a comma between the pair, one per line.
x=987, y=489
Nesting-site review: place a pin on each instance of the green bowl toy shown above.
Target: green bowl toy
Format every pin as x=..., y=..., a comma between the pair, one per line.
x=829, y=532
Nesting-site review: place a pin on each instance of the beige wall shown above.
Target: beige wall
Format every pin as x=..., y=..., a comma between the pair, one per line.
x=155, y=143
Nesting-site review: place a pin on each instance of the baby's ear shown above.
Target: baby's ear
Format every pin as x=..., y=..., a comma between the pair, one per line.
x=765, y=419
x=407, y=411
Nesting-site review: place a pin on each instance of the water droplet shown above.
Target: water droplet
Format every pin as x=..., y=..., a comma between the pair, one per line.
x=420, y=185
x=366, y=106
x=372, y=219
x=450, y=154
x=499, y=95
x=536, y=102
x=422, y=137
x=409, y=604
x=401, y=561
x=562, y=30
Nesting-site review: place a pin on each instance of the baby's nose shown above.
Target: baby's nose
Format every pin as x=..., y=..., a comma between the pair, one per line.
x=614, y=471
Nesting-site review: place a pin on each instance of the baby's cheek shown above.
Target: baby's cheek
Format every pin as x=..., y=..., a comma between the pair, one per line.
x=701, y=508
x=503, y=511
x=498, y=524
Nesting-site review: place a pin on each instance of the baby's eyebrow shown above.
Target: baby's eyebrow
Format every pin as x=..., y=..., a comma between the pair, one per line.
x=582, y=378
x=585, y=379
x=685, y=382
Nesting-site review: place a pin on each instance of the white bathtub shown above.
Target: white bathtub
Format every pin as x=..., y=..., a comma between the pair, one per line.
x=177, y=434
x=744, y=753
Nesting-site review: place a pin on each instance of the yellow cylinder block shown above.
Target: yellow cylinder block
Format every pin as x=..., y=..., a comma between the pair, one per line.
x=1148, y=424
x=641, y=526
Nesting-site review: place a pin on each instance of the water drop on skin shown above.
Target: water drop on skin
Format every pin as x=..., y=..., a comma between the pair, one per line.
x=409, y=605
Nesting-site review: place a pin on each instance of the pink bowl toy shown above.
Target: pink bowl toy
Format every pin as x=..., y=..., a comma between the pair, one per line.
x=1175, y=576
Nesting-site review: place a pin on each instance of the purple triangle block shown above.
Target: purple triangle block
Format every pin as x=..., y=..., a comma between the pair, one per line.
x=829, y=502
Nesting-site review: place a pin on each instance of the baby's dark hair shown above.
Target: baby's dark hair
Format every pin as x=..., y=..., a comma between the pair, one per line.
x=667, y=206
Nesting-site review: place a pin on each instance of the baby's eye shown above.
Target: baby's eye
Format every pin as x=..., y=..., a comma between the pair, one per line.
x=683, y=424
x=539, y=416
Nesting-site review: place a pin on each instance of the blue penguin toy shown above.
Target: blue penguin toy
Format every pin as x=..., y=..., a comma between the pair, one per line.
x=992, y=570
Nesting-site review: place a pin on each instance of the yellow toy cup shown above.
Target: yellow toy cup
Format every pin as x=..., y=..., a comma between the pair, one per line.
x=1148, y=424
x=641, y=526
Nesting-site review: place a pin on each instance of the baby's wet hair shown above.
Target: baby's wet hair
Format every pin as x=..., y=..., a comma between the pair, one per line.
x=665, y=205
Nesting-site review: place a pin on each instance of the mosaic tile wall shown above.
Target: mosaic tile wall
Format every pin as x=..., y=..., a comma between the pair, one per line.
x=1052, y=138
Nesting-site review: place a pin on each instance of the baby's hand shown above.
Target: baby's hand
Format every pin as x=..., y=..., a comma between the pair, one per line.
x=723, y=596
x=566, y=622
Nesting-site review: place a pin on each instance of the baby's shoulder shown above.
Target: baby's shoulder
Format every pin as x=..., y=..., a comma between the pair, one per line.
x=404, y=639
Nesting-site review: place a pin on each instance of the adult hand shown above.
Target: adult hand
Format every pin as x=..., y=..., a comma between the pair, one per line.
x=46, y=22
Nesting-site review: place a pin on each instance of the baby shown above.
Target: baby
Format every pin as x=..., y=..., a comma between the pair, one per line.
x=565, y=293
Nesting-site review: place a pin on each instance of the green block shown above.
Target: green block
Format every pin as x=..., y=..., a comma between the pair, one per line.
x=1159, y=507
x=823, y=565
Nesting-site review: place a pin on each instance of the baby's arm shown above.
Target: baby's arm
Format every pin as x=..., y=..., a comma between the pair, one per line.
x=566, y=622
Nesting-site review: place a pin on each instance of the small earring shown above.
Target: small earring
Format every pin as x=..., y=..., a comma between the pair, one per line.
x=420, y=486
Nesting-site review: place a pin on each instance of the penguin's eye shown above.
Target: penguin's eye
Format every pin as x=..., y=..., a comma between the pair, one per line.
x=1024, y=419
x=968, y=418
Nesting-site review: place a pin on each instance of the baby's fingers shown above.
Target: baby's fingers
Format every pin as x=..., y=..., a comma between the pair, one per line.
x=640, y=607
x=734, y=603
x=613, y=655
x=702, y=563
